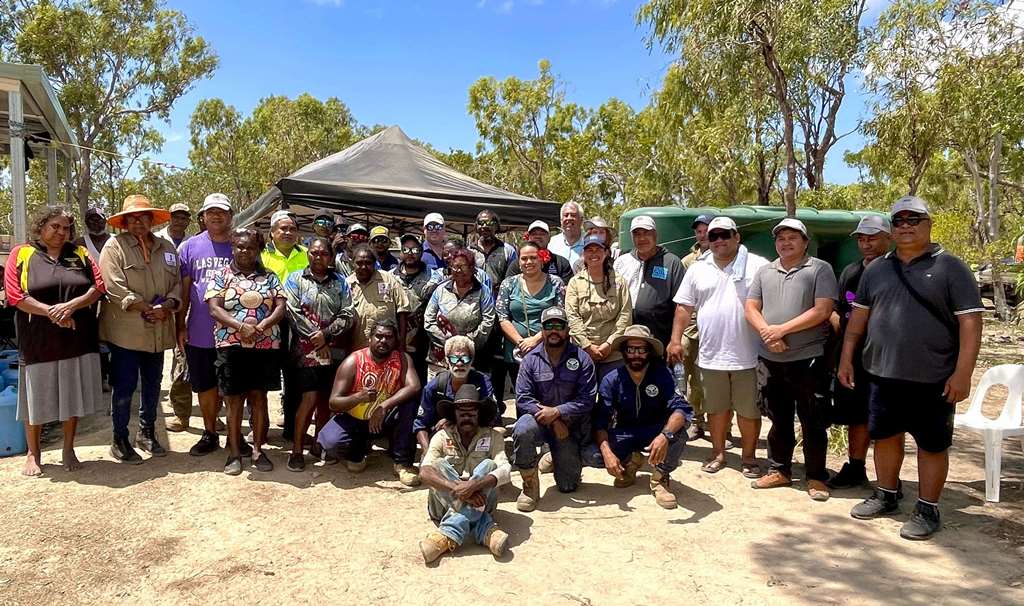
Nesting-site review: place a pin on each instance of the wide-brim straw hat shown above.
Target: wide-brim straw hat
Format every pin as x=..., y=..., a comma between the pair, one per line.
x=137, y=203
x=638, y=331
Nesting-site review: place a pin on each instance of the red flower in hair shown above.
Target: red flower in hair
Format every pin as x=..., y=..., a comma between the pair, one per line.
x=545, y=255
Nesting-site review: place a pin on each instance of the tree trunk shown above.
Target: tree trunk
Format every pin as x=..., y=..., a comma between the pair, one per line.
x=779, y=78
x=978, y=227
x=994, y=161
x=84, y=185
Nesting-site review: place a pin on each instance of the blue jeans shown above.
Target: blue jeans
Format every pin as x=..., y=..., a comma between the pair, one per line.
x=126, y=366
x=624, y=441
x=350, y=437
x=456, y=519
x=528, y=436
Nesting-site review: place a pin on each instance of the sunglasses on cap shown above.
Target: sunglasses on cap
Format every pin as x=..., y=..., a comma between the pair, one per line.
x=719, y=234
x=636, y=349
x=487, y=223
x=435, y=227
x=912, y=220
x=411, y=250
x=554, y=325
x=464, y=358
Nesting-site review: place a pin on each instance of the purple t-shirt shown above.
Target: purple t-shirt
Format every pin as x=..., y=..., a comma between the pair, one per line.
x=201, y=258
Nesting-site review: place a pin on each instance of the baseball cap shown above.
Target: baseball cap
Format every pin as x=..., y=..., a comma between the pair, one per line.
x=791, y=223
x=871, y=225
x=433, y=218
x=95, y=210
x=278, y=215
x=595, y=222
x=538, y=224
x=178, y=207
x=323, y=217
x=705, y=219
x=722, y=223
x=910, y=203
x=216, y=201
x=379, y=231
x=407, y=237
x=642, y=222
x=554, y=313
x=356, y=227
x=595, y=239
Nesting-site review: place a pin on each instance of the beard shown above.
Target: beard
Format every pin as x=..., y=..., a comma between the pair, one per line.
x=460, y=374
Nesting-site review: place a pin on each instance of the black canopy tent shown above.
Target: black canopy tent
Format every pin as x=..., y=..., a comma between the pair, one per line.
x=387, y=179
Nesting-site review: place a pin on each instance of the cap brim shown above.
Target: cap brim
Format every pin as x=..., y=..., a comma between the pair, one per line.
x=867, y=231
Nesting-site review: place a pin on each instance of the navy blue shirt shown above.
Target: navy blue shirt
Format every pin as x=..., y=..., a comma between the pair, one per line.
x=426, y=418
x=570, y=386
x=625, y=403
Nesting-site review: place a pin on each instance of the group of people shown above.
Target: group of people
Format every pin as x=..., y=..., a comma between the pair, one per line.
x=417, y=349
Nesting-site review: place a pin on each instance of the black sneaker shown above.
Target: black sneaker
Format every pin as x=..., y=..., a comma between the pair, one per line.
x=263, y=463
x=849, y=476
x=296, y=462
x=121, y=449
x=233, y=466
x=147, y=442
x=923, y=523
x=245, y=449
x=206, y=444
x=878, y=504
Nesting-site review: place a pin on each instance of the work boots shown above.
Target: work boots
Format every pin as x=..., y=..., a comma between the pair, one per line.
x=147, y=442
x=528, y=500
x=496, y=540
x=435, y=545
x=660, y=487
x=635, y=462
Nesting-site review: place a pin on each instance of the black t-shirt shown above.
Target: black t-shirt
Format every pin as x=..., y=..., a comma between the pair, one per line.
x=849, y=281
x=557, y=266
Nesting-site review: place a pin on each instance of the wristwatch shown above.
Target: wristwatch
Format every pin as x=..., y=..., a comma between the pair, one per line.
x=671, y=437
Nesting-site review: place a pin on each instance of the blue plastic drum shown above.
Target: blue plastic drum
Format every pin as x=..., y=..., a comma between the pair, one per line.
x=12, y=431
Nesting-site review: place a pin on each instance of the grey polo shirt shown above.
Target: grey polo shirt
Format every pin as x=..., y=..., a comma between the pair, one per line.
x=904, y=340
x=785, y=295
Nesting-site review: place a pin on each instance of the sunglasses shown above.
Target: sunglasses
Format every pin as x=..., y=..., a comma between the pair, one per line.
x=554, y=325
x=631, y=349
x=487, y=223
x=913, y=221
x=464, y=358
x=414, y=250
x=435, y=227
x=717, y=235
x=380, y=240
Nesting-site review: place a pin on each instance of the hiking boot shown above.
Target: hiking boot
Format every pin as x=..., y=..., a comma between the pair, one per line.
x=546, y=463
x=178, y=424
x=850, y=476
x=206, y=444
x=356, y=466
x=773, y=479
x=496, y=541
x=635, y=462
x=879, y=503
x=660, y=487
x=263, y=463
x=530, y=496
x=817, y=490
x=296, y=462
x=923, y=523
x=122, y=451
x=233, y=466
x=435, y=545
x=147, y=442
x=407, y=474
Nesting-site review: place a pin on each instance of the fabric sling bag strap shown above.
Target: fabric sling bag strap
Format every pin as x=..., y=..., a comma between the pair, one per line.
x=954, y=328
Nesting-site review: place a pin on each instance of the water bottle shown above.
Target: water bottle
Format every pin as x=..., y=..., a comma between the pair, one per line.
x=679, y=373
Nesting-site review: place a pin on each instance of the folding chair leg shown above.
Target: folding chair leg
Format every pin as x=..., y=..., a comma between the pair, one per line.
x=993, y=463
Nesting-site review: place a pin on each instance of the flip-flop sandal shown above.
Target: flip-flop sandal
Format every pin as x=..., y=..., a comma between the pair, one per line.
x=751, y=470
x=712, y=466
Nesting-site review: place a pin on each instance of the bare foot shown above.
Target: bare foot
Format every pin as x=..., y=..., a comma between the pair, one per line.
x=70, y=461
x=32, y=467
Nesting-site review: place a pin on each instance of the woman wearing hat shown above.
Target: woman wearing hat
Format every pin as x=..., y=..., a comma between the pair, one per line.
x=598, y=305
x=143, y=284
x=53, y=285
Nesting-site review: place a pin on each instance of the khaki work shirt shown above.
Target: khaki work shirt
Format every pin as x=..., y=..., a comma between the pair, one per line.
x=381, y=297
x=486, y=444
x=597, y=315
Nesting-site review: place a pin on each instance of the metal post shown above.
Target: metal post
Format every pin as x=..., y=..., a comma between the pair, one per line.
x=67, y=179
x=51, y=175
x=16, y=124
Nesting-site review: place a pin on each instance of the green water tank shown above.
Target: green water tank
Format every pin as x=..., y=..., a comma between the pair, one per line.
x=829, y=229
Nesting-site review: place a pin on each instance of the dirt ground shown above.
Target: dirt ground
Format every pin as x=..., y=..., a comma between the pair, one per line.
x=177, y=530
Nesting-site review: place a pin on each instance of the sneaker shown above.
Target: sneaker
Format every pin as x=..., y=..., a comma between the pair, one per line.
x=730, y=442
x=206, y=444
x=122, y=451
x=233, y=466
x=694, y=432
x=923, y=523
x=263, y=463
x=356, y=466
x=773, y=479
x=178, y=424
x=296, y=462
x=407, y=474
x=878, y=504
x=147, y=441
x=546, y=463
x=849, y=476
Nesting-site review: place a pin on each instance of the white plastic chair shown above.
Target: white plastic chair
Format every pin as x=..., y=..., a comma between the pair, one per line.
x=1008, y=423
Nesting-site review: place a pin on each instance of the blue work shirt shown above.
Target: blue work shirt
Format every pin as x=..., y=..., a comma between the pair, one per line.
x=426, y=417
x=570, y=386
x=651, y=402
x=388, y=263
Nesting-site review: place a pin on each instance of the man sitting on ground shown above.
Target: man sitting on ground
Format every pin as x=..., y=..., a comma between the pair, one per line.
x=640, y=409
x=374, y=394
x=464, y=507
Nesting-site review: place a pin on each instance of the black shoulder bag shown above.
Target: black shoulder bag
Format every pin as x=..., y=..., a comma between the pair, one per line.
x=953, y=327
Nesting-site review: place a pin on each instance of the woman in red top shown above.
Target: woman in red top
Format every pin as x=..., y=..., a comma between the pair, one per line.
x=53, y=284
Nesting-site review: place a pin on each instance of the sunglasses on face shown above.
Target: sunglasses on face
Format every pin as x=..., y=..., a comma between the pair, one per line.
x=913, y=221
x=553, y=325
x=486, y=223
x=435, y=227
x=464, y=358
x=380, y=240
x=717, y=235
x=631, y=349
x=411, y=250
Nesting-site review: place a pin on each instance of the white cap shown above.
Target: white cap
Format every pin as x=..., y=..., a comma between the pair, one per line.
x=722, y=223
x=872, y=224
x=433, y=218
x=538, y=224
x=281, y=214
x=790, y=223
x=642, y=222
x=910, y=203
x=216, y=201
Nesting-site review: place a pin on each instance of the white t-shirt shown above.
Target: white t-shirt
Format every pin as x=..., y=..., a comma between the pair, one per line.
x=727, y=341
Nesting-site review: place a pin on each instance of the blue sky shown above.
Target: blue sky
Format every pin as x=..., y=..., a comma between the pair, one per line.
x=411, y=63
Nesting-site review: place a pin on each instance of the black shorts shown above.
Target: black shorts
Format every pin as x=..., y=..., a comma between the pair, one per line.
x=920, y=409
x=241, y=369
x=315, y=378
x=202, y=369
x=850, y=406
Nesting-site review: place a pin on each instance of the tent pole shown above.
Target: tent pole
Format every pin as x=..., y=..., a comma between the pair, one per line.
x=51, y=174
x=16, y=126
